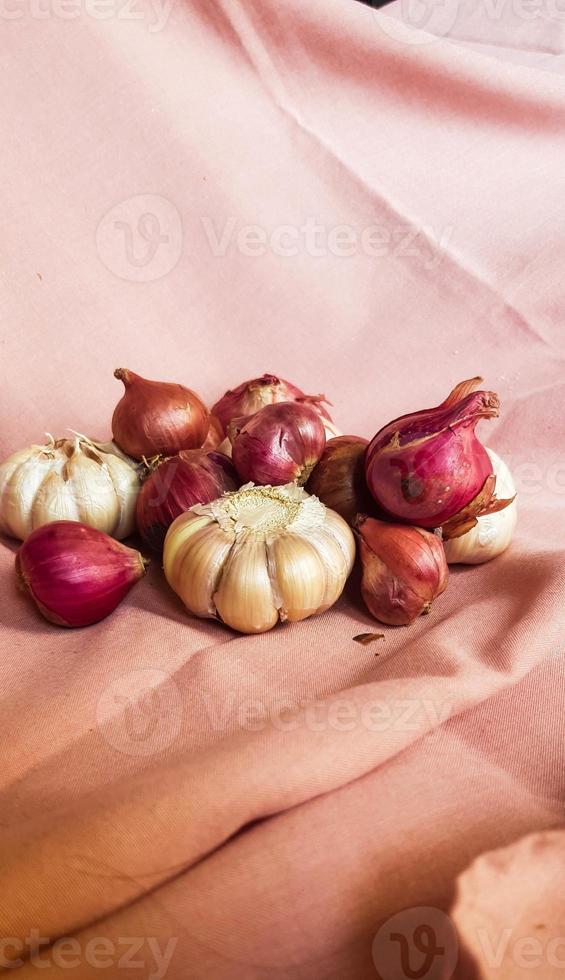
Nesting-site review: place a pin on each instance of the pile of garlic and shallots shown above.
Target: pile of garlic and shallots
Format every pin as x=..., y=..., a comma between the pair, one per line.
x=258, y=507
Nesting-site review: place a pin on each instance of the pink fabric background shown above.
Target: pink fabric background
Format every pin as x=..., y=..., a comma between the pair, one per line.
x=270, y=802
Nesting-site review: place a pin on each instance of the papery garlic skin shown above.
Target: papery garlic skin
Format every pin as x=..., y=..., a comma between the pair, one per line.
x=68, y=479
x=493, y=532
x=257, y=556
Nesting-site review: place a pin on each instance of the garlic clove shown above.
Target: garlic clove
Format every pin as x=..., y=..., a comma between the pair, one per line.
x=339, y=529
x=337, y=561
x=299, y=576
x=10, y=465
x=109, y=448
x=199, y=567
x=21, y=490
x=8, y=470
x=492, y=533
x=180, y=531
x=89, y=484
x=490, y=537
x=244, y=598
x=126, y=488
x=54, y=501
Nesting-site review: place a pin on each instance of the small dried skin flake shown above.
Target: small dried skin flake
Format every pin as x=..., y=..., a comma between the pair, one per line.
x=366, y=638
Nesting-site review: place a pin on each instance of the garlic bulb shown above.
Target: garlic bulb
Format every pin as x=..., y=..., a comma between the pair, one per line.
x=493, y=532
x=68, y=479
x=259, y=555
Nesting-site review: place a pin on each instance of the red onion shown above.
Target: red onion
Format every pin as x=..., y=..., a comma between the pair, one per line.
x=429, y=467
x=157, y=418
x=76, y=574
x=404, y=569
x=192, y=477
x=279, y=444
x=251, y=396
x=215, y=434
x=338, y=479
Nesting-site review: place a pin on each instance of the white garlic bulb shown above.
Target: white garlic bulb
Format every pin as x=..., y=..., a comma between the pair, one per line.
x=259, y=555
x=68, y=480
x=493, y=532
